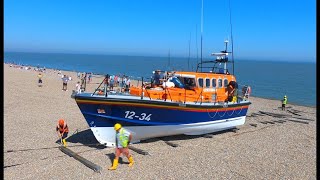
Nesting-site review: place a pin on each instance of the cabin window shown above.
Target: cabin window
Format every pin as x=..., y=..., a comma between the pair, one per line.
x=207, y=83
x=225, y=82
x=200, y=81
x=214, y=83
x=189, y=83
x=219, y=83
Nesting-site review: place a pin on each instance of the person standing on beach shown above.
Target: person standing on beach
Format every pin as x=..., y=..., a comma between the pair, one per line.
x=62, y=130
x=123, y=138
x=83, y=79
x=128, y=81
x=65, y=80
x=78, y=87
x=40, y=80
x=124, y=81
x=111, y=82
x=89, y=77
x=284, y=103
x=106, y=84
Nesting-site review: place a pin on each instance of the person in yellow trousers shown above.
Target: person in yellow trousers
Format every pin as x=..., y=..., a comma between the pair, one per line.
x=123, y=138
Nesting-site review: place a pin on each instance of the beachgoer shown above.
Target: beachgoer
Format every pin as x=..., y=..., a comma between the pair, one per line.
x=115, y=80
x=82, y=82
x=89, y=77
x=123, y=138
x=111, y=82
x=78, y=87
x=78, y=75
x=284, y=102
x=128, y=84
x=40, y=80
x=62, y=130
x=124, y=82
x=118, y=80
x=65, y=80
x=246, y=91
x=106, y=84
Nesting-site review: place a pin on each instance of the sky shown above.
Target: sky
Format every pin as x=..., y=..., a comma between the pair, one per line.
x=261, y=30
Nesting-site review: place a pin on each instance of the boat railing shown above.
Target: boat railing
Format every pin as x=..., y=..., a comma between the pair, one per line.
x=242, y=93
x=106, y=84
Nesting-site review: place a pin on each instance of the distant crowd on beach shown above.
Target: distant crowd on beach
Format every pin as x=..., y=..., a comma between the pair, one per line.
x=41, y=71
x=114, y=82
x=26, y=67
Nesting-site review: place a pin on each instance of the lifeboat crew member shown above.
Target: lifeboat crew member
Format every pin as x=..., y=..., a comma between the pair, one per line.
x=284, y=102
x=123, y=138
x=157, y=77
x=230, y=90
x=62, y=130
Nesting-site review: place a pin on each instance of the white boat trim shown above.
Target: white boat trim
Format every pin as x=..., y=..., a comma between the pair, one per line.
x=106, y=135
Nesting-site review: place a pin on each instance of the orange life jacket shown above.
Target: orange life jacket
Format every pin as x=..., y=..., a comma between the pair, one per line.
x=64, y=128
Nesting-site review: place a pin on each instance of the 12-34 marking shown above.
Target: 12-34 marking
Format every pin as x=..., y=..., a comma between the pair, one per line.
x=142, y=116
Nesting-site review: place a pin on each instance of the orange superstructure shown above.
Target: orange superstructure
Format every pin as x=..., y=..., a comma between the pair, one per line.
x=188, y=87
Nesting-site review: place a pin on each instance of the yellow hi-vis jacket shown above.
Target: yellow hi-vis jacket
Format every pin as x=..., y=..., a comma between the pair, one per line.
x=285, y=100
x=122, y=138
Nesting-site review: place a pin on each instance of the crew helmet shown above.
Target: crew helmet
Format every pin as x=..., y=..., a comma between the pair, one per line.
x=117, y=126
x=61, y=122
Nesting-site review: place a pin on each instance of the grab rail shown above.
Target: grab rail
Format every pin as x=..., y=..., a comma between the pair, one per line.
x=105, y=80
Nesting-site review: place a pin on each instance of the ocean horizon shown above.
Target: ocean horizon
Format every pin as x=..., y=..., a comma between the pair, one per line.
x=268, y=79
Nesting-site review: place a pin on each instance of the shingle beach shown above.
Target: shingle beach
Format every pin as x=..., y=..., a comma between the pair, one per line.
x=263, y=148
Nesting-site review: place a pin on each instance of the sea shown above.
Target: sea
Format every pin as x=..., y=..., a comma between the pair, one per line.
x=267, y=79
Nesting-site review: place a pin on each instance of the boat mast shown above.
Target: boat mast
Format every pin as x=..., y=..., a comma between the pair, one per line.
x=226, y=51
x=231, y=38
x=189, y=53
x=197, y=43
x=201, y=34
x=169, y=59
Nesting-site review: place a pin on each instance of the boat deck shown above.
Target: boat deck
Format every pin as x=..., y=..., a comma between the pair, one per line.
x=127, y=96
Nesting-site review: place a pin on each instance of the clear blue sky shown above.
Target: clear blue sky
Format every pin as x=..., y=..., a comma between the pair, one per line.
x=267, y=29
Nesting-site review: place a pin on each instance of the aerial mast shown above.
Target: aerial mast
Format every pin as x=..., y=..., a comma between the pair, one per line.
x=226, y=51
x=169, y=59
x=201, y=34
x=189, y=53
x=231, y=38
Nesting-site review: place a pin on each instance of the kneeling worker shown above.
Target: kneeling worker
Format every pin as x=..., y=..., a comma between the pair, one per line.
x=62, y=130
x=123, y=138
